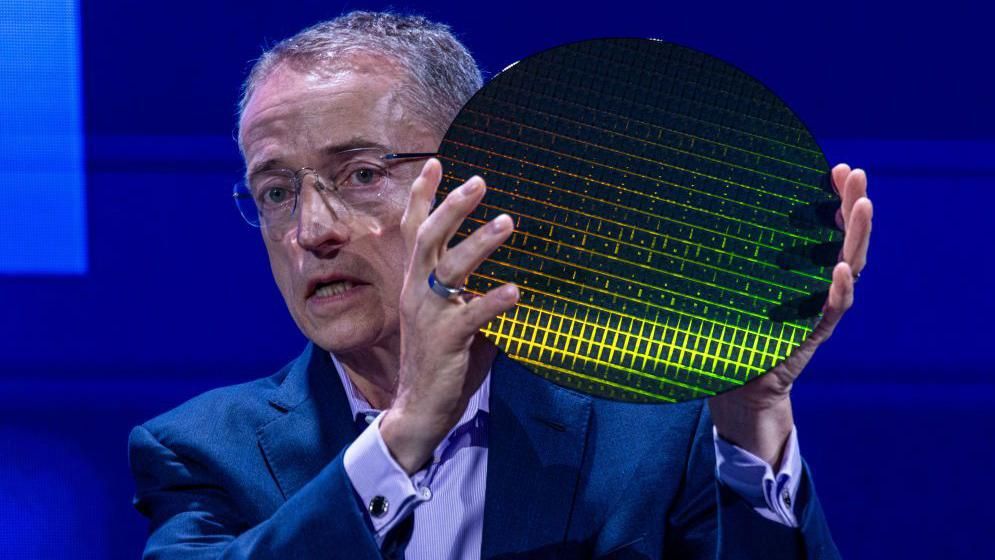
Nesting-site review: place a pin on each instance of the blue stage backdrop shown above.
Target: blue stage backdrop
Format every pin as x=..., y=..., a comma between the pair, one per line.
x=123, y=300
x=42, y=217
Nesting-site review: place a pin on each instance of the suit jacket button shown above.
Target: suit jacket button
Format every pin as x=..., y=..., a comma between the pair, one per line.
x=379, y=506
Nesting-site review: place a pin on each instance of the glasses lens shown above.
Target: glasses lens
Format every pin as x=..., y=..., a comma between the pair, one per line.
x=274, y=194
x=356, y=179
x=246, y=206
x=360, y=177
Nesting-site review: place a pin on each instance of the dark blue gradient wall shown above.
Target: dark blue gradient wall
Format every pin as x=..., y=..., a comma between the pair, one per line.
x=894, y=414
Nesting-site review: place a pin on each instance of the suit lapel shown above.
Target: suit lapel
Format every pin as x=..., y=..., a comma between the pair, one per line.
x=313, y=422
x=536, y=439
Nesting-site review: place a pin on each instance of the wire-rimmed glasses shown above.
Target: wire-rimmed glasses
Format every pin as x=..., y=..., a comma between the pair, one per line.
x=358, y=178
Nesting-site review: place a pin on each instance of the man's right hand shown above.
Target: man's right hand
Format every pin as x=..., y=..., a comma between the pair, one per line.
x=443, y=361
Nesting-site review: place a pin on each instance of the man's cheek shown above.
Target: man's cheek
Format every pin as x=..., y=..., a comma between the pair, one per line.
x=284, y=277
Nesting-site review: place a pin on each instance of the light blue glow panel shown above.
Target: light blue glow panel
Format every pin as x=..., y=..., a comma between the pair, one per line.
x=42, y=198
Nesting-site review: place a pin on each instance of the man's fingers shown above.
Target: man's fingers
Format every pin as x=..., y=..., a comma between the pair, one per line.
x=858, y=234
x=440, y=225
x=854, y=189
x=840, y=173
x=465, y=257
x=471, y=197
x=445, y=220
x=840, y=299
x=482, y=310
x=421, y=198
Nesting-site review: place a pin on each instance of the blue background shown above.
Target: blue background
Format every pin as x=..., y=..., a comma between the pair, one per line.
x=41, y=139
x=894, y=414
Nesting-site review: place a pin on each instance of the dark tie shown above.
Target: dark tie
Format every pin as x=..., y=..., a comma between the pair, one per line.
x=361, y=422
x=398, y=538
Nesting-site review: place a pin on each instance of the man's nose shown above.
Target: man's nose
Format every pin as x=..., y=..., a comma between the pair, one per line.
x=322, y=220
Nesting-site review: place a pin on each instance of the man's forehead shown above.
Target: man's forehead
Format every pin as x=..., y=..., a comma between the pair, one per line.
x=289, y=79
x=317, y=112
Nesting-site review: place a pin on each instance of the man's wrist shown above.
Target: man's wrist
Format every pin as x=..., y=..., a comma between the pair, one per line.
x=761, y=431
x=384, y=491
x=772, y=493
x=409, y=438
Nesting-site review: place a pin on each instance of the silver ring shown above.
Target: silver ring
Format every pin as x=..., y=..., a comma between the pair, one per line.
x=856, y=277
x=441, y=289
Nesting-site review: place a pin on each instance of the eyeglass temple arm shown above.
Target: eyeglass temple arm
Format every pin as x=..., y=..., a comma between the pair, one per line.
x=410, y=155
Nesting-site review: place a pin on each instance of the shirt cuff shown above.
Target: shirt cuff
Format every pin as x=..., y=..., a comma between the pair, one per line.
x=385, y=490
x=772, y=496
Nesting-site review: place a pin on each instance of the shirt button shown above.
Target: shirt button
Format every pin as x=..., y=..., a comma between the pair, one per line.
x=786, y=498
x=426, y=493
x=379, y=506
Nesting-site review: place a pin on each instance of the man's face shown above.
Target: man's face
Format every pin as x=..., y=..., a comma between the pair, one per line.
x=340, y=271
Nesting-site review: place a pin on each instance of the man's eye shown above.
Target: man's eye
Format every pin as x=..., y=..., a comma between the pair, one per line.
x=272, y=196
x=364, y=177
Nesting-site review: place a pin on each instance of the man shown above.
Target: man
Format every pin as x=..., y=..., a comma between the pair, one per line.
x=472, y=456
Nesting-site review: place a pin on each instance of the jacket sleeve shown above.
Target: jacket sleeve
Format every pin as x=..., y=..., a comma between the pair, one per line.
x=192, y=516
x=713, y=521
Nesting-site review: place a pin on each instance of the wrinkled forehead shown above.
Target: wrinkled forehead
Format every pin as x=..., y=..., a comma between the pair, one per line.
x=296, y=115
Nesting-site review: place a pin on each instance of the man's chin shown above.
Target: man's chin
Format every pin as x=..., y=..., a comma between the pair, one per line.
x=345, y=336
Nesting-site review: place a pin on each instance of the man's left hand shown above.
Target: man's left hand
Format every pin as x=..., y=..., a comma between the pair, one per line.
x=757, y=416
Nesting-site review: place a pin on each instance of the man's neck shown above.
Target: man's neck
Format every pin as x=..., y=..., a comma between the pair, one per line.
x=374, y=371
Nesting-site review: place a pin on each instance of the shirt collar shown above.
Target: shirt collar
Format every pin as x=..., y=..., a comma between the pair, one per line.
x=358, y=404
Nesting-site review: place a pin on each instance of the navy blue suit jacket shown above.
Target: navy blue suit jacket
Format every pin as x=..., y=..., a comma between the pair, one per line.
x=255, y=470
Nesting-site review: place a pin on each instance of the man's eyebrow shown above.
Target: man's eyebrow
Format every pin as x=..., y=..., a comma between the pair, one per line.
x=354, y=143
x=263, y=166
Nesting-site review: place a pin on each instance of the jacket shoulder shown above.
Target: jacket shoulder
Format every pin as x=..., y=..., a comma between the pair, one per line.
x=219, y=414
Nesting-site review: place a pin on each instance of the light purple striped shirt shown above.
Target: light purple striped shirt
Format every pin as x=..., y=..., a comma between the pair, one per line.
x=447, y=497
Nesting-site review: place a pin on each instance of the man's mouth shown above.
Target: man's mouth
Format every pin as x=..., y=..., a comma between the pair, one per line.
x=335, y=288
x=332, y=286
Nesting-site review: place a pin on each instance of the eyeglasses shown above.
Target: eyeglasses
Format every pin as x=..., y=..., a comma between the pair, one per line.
x=358, y=178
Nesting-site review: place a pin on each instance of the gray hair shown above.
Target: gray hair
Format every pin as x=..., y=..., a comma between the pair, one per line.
x=441, y=71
